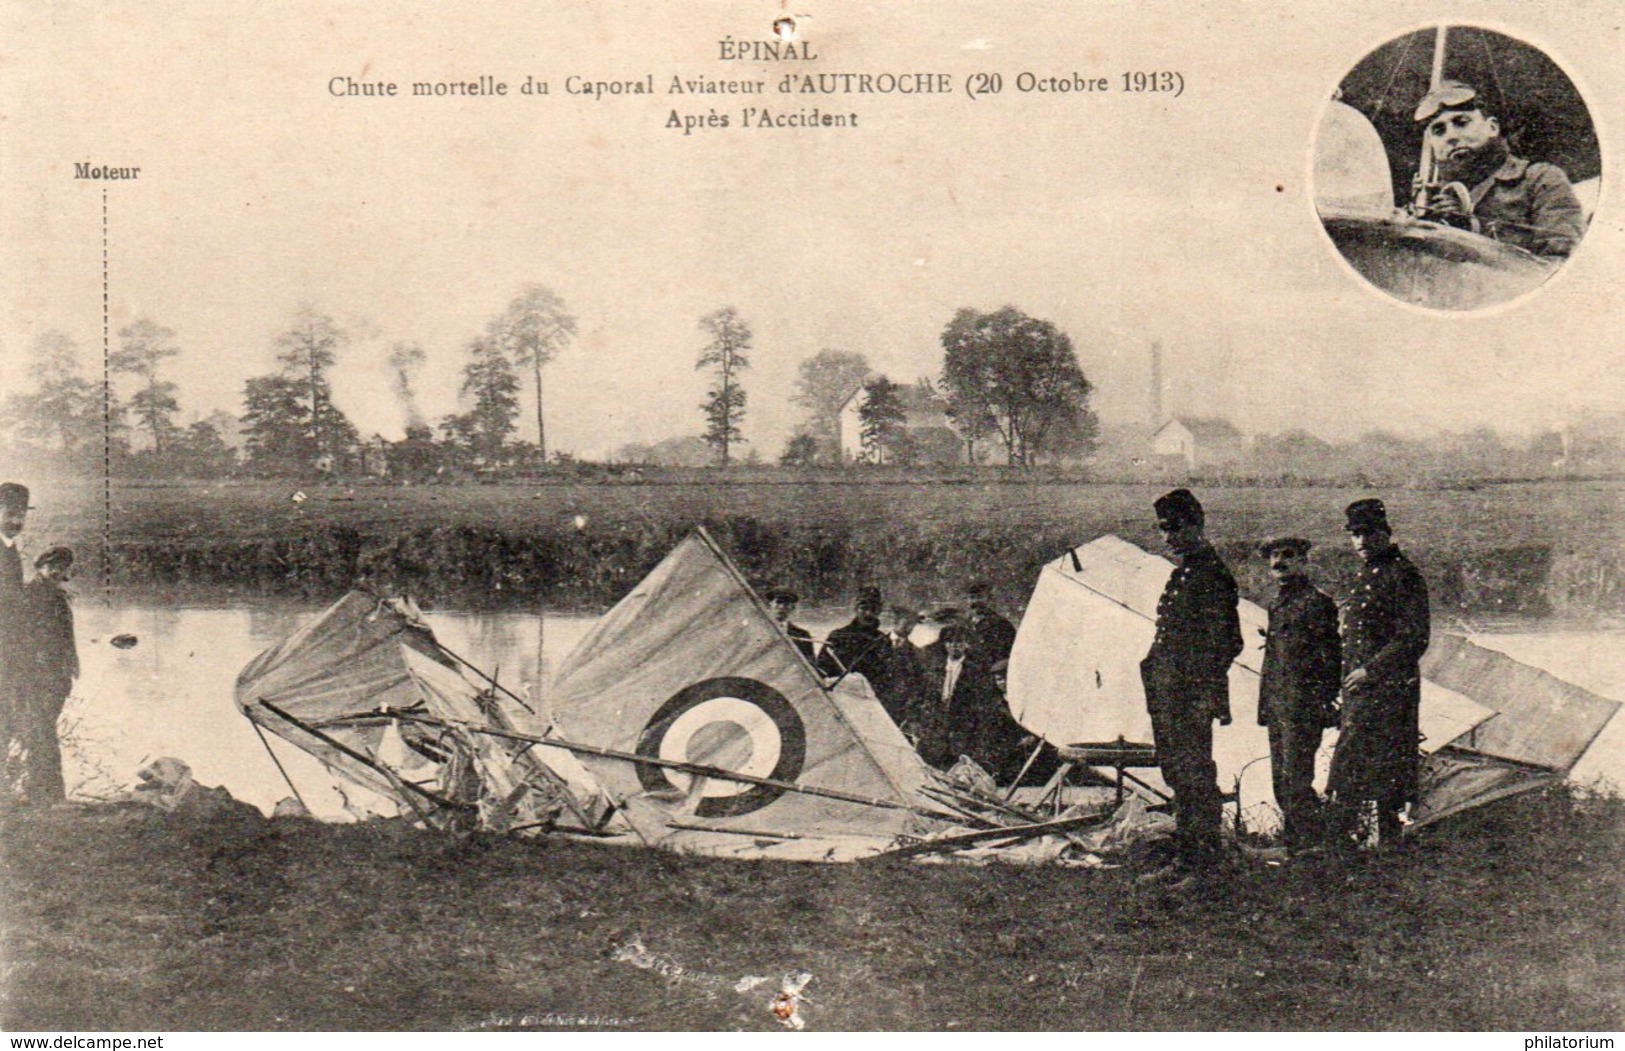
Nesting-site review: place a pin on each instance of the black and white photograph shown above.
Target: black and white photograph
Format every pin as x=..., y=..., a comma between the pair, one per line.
x=570, y=517
x=1457, y=168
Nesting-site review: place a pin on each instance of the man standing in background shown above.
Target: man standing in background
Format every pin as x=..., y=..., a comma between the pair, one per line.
x=1187, y=685
x=1385, y=633
x=13, y=516
x=782, y=601
x=1297, y=694
x=49, y=669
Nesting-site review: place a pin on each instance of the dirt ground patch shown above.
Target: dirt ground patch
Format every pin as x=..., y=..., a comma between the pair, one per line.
x=1505, y=918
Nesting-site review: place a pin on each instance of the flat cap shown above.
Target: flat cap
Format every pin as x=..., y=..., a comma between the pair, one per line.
x=1291, y=545
x=54, y=556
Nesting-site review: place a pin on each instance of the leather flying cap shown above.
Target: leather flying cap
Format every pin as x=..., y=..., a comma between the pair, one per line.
x=1178, y=508
x=14, y=497
x=869, y=595
x=1288, y=545
x=1450, y=94
x=1367, y=515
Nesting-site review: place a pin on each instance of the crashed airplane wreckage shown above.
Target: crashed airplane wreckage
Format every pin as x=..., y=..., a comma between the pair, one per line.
x=1491, y=726
x=687, y=720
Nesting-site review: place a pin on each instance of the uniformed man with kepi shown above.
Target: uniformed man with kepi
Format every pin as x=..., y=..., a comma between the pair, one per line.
x=1186, y=679
x=1385, y=633
x=1297, y=694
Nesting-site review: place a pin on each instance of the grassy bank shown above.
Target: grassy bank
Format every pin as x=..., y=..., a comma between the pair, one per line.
x=1528, y=548
x=1506, y=918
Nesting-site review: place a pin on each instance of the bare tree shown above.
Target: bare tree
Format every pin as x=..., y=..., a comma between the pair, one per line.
x=534, y=328
x=307, y=350
x=724, y=404
x=143, y=346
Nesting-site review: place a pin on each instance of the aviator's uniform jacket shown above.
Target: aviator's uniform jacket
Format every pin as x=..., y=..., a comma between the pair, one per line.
x=1301, y=654
x=1385, y=631
x=1186, y=672
x=1530, y=205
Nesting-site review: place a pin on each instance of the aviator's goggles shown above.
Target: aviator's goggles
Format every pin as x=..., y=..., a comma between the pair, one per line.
x=1451, y=94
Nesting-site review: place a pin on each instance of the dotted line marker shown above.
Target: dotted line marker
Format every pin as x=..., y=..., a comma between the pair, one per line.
x=107, y=422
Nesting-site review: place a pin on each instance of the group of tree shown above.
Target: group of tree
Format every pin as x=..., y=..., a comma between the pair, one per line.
x=1017, y=378
x=1005, y=376
x=73, y=423
x=291, y=426
x=1008, y=381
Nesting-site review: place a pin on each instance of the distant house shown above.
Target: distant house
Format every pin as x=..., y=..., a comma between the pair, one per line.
x=374, y=456
x=928, y=432
x=1200, y=442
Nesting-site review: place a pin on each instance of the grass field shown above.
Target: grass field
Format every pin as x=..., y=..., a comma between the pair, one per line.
x=1505, y=918
x=1527, y=548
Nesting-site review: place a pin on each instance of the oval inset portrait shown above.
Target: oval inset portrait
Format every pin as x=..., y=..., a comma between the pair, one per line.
x=1456, y=168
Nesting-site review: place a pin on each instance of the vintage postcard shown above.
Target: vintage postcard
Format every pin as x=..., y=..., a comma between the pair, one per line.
x=777, y=514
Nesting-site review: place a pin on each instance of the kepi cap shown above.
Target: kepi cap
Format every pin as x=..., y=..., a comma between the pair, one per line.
x=1179, y=507
x=1367, y=515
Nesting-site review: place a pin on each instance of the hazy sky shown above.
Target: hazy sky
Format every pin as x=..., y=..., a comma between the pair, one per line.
x=1123, y=218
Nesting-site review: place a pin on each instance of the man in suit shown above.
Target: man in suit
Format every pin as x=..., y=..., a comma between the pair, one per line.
x=1297, y=694
x=49, y=670
x=968, y=715
x=1385, y=632
x=13, y=618
x=1186, y=680
x=990, y=635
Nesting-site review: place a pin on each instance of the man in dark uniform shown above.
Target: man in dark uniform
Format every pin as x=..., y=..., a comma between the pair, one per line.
x=13, y=618
x=50, y=667
x=1297, y=695
x=783, y=603
x=1186, y=679
x=1385, y=633
x=860, y=647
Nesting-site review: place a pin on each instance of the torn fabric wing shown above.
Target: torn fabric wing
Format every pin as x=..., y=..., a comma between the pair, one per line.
x=690, y=671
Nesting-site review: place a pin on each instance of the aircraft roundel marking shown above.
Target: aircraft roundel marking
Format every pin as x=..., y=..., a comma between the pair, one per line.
x=741, y=725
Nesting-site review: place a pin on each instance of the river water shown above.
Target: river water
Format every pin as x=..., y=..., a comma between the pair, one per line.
x=171, y=694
